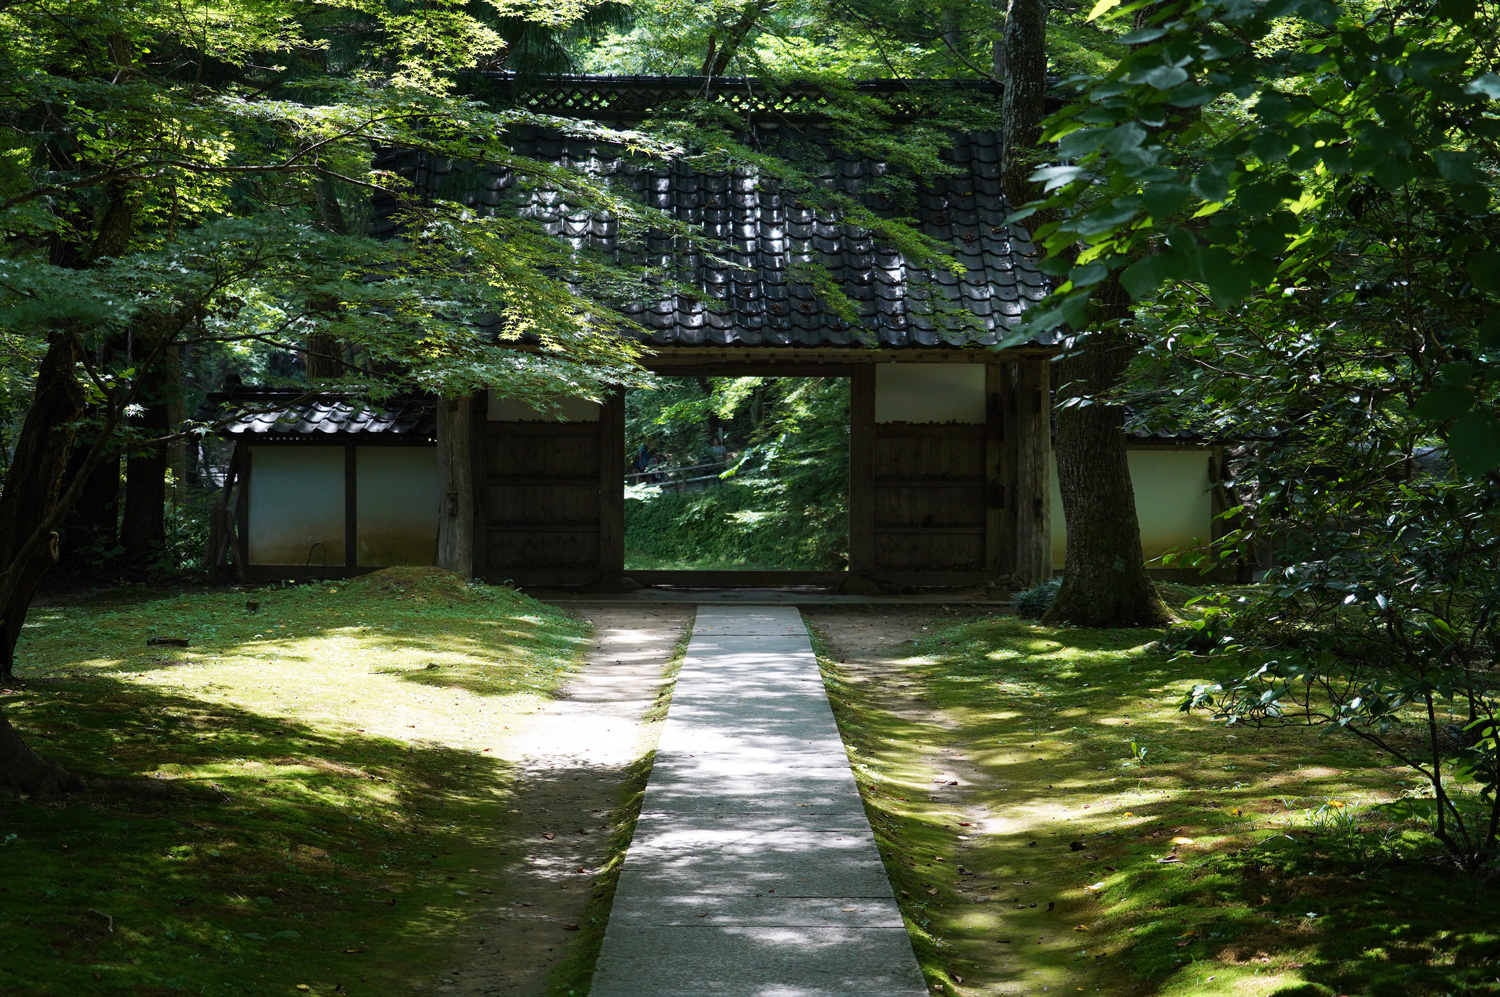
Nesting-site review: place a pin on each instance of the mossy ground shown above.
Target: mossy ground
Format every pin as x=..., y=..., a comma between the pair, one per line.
x=1035, y=851
x=340, y=812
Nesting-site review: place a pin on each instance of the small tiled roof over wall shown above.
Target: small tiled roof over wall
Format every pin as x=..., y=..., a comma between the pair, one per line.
x=761, y=296
x=270, y=416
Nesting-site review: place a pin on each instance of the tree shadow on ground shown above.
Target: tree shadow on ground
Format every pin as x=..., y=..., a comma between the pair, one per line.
x=1046, y=729
x=346, y=862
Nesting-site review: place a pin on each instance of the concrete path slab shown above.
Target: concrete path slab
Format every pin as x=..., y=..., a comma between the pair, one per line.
x=753, y=871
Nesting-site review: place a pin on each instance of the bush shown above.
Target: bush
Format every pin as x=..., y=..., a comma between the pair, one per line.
x=1394, y=643
x=753, y=523
x=1033, y=603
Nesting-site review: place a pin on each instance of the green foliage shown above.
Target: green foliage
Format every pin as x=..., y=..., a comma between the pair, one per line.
x=1273, y=160
x=784, y=499
x=202, y=172
x=863, y=39
x=1033, y=603
x=755, y=524
x=1394, y=644
x=1299, y=196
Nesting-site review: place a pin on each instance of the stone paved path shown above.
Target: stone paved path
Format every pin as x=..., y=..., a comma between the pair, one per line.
x=753, y=871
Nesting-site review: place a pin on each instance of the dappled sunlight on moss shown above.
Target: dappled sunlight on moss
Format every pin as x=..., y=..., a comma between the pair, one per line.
x=330, y=816
x=1040, y=787
x=375, y=654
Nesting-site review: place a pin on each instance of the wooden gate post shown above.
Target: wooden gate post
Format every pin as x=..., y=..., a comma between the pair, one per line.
x=1031, y=435
x=455, y=447
x=862, y=471
x=612, y=485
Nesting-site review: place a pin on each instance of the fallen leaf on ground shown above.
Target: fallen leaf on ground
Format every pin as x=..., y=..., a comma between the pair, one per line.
x=548, y=835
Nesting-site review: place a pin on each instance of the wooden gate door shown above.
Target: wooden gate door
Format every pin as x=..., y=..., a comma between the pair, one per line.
x=928, y=501
x=554, y=501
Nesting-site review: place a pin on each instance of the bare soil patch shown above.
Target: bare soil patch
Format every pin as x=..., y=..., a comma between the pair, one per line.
x=580, y=762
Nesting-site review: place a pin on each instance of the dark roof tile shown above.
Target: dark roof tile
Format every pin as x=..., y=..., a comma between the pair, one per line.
x=763, y=230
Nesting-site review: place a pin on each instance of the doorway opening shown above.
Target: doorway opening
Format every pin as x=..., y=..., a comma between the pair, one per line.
x=737, y=474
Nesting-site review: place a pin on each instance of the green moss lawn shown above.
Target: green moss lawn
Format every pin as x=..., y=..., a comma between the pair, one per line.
x=1054, y=825
x=340, y=807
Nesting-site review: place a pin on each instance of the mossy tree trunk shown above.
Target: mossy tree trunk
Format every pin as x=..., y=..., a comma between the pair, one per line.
x=1104, y=582
x=28, y=502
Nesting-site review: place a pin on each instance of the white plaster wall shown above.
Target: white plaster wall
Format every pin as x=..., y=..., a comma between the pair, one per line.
x=296, y=501
x=1172, y=501
x=397, y=489
x=929, y=392
x=569, y=409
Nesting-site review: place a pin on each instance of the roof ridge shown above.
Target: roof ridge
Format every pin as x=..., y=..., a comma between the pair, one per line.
x=636, y=96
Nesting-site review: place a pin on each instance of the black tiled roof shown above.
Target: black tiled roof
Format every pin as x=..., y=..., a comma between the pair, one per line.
x=767, y=235
x=269, y=414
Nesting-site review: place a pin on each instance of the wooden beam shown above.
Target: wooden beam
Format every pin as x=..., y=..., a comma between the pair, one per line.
x=241, y=512
x=351, y=506
x=730, y=367
x=998, y=540
x=612, y=484
x=479, y=456
x=931, y=430
x=862, y=472
x=1031, y=441
x=737, y=579
x=782, y=359
x=455, y=426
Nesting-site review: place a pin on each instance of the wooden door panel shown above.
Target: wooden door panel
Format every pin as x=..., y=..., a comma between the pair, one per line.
x=544, y=500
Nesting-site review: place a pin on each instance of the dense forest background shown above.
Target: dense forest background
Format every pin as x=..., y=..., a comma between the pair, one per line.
x=769, y=474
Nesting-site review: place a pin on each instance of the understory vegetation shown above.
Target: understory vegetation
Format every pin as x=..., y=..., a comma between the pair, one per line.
x=336, y=813
x=1051, y=819
x=776, y=451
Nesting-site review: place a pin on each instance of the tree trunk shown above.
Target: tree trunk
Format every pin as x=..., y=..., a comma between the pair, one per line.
x=143, y=531
x=36, y=476
x=324, y=358
x=93, y=524
x=1024, y=103
x=997, y=44
x=716, y=62
x=1104, y=581
x=455, y=437
x=24, y=771
x=1031, y=429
